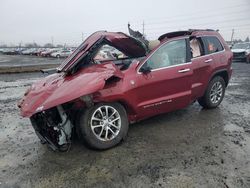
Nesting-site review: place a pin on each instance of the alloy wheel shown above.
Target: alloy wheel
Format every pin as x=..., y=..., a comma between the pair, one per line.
x=105, y=123
x=216, y=92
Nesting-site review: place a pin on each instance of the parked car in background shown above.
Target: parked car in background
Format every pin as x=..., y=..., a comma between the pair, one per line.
x=48, y=52
x=19, y=51
x=241, y=52
x=9, y=51
x=1, y=50
x=37, y=51
x=28, y=51
x=97, y=98
x=61, y=53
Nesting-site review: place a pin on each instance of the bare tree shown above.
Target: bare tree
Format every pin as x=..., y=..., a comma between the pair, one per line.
x=32, y=45
x=48, y=45
x=247, y=39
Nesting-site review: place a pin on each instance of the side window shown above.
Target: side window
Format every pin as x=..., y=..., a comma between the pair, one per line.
x=171, y=53
x=197, y=47
x=213, y=45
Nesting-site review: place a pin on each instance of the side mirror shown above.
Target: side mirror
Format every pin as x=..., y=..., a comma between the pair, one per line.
x=145, y=69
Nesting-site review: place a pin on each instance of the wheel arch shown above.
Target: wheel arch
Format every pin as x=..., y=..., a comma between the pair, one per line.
x=222, y=73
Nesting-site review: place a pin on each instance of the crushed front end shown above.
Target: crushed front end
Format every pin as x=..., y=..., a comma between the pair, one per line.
x=53, y=103
x=54, y=127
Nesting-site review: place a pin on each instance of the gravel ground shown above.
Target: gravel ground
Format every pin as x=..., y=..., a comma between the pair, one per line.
x=191, y=147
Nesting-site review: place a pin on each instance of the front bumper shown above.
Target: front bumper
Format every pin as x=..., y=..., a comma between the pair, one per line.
x=53, y=127
x=43, y=137
x=239, y=56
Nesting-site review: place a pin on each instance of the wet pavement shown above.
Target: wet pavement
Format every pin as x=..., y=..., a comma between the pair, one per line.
x=26, y=63
x=25, y=60
x=191, y=147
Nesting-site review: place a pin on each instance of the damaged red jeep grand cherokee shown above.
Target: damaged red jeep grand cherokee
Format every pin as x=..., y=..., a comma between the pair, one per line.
x=113, y=79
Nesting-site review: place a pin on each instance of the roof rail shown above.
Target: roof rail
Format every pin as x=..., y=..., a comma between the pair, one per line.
x=192, y=30
x=174, y=34
x=182, y=33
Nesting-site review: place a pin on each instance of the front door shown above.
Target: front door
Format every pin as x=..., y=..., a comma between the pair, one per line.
x=168, y=84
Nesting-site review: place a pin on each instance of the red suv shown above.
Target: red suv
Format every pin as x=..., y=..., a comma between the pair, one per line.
x=112, y=80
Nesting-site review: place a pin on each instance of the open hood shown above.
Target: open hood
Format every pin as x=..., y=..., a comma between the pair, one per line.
x=58, y=89
x=128, y=45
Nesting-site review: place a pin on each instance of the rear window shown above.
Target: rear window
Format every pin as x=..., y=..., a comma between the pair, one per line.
x=213, y=44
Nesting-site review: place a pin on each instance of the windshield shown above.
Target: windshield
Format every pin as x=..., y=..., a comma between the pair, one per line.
x=241, y=46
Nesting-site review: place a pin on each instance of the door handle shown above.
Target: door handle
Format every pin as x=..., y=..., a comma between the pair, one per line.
x=183, y=70
x=208, y=60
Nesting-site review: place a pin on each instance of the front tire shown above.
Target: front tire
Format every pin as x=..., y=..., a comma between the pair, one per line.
x=103, y=126
x=214, y=93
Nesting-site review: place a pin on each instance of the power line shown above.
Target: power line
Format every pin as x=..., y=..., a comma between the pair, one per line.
x=206, y=23
x=232, y=35
x=198, y=13
x=168, y=20
x=188, y=18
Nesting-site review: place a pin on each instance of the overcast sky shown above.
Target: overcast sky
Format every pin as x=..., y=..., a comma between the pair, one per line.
x=68, y=21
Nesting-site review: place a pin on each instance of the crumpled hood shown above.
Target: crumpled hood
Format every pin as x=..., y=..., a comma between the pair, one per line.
x=58, y=88
x=130, y=46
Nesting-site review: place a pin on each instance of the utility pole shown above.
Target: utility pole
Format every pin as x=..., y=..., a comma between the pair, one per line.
x=82, y=36
x=232, y=35
x=52, y=41
x=20, y=44
x=143, y=28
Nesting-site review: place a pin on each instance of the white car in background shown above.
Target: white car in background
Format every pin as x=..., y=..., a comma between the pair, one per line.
x=241, y=52
x=61, y=53
x=49, y=51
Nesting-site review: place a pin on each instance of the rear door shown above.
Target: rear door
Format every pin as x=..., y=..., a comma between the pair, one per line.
x=168, y=86
x=205, y=64
x=202, y=64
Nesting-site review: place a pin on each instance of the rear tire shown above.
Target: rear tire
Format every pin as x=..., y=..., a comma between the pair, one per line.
x=214, y=93
x=101, y=131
